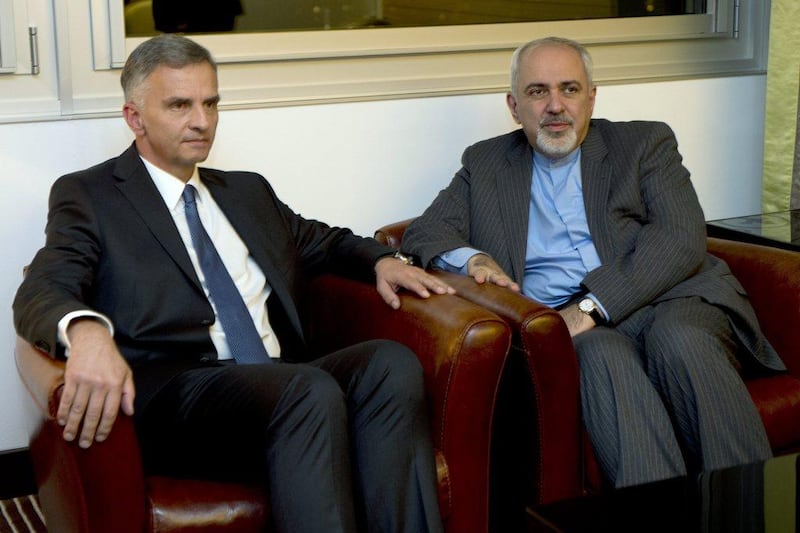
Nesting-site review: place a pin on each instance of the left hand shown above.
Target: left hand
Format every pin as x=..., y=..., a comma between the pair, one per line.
x=392, y=274
x=577, y=322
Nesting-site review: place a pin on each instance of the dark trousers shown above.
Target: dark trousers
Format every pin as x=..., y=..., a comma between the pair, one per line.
x=342, y=443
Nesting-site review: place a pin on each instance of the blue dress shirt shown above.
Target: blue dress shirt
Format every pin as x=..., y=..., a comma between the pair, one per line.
x=560, y=251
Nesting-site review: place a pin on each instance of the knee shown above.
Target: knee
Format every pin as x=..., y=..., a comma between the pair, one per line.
x=681, y=343
x=314, y=391
x=596, y=349
x=398, y=371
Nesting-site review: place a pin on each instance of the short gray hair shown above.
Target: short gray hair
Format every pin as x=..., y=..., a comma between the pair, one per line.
x=549, y=41
x=169, y=50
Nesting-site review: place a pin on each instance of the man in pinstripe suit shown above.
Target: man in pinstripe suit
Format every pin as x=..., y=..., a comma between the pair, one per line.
x=600, y=220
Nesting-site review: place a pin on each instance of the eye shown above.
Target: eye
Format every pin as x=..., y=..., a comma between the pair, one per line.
x=572, y=89
x=537, y=92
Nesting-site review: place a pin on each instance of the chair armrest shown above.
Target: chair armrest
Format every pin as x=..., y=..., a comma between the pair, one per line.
x=542, y=338
x=462, y=348
x=99, y=489
x=41, y=375
x=771, y=277
x=392, y=234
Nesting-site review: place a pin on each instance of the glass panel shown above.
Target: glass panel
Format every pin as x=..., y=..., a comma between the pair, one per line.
x=146, y=17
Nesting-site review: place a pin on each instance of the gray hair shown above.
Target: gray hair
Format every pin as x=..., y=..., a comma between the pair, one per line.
x=169, y=50
x=549, y=41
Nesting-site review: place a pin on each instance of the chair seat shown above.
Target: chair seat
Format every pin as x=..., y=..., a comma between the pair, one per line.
x=778, y=401
x=187, y=505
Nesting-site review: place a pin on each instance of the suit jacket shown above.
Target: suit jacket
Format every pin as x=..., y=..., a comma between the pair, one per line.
x=643, y=214
x=113, y=247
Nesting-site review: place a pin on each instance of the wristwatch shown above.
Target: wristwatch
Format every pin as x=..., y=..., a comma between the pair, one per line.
x=588, y=307
x=406, y=259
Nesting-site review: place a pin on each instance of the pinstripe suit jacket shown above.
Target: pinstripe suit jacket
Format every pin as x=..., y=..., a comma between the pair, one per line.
x=642, y=211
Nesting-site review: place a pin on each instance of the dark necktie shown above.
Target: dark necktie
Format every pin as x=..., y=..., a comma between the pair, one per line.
x=243, y=339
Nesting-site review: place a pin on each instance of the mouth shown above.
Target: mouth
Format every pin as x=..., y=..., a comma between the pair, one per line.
x=556, y=125
x=196, y=142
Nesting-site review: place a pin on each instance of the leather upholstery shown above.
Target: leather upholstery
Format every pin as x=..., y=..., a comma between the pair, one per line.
x=462, y=348
x=563, y=462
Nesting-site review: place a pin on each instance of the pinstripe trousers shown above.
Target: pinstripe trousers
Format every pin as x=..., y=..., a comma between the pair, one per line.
x=661, y=394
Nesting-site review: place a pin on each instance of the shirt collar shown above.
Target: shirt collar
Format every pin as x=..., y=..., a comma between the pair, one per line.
x=170, y=187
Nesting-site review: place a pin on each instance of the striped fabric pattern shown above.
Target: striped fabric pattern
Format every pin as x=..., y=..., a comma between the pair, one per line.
x=21, y=515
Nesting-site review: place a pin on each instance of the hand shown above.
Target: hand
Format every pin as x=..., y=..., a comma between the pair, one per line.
x=392, y=274
x=483, y=268
x=577, y=322
x=97, y=383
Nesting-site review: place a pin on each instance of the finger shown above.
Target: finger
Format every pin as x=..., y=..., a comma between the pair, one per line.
x=108, y=415
x=91, y=419
x=64, y=406
x=437, y=286
x=128, y=395
x=481, y=275
x=75, y=414
x=388, y=294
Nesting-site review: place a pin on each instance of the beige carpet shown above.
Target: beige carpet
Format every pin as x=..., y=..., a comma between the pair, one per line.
x=21, y=515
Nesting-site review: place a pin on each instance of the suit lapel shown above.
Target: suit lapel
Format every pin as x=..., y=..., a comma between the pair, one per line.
x=596, y=174
x=513, y=189
x=256, y=237
x=134, y=182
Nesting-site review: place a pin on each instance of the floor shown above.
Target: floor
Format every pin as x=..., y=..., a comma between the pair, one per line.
x=21, y=515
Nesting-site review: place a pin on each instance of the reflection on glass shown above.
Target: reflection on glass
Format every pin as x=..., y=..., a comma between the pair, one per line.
x=146, y=17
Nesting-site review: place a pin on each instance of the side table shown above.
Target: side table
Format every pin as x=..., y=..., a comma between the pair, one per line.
x=755, y=498
x=780, y=229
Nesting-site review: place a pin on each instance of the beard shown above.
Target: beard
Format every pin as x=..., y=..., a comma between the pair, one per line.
x=556, y=144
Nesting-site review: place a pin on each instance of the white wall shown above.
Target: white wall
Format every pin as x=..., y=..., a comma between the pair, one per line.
x=365, y=164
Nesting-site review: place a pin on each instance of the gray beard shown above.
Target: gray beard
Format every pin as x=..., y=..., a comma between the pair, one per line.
x=556, y=146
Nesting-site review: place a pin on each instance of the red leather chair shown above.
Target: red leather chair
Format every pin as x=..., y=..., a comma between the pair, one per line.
x=462, y=348
x=563, y=462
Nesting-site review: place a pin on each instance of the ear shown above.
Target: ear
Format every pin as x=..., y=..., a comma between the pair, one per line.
x=511, y=102
x=133, y=118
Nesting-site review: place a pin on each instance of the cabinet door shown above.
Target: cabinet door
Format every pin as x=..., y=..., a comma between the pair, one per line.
x=28, y=68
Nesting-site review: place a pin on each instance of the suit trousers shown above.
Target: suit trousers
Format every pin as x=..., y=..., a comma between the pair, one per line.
x=342, y=443
x=661, y=394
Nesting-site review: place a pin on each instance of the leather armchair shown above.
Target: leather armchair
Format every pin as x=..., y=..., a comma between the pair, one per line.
x=462, y=348
x=563, y=465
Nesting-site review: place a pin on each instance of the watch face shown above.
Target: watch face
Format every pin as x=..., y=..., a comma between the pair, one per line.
x=586, y=305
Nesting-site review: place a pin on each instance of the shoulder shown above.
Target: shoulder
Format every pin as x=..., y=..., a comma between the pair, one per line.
x=635, y=129
x=503, y=142
x=241, y=180
x=496, y=148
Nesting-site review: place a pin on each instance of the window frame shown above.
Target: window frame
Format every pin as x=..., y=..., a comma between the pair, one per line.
x=309, y=67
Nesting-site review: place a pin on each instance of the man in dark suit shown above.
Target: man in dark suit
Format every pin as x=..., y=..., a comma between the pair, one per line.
x=130, y=288
x=600, y=220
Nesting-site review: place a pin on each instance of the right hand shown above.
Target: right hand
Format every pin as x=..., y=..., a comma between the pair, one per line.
x=483, y=268
x=97, y=383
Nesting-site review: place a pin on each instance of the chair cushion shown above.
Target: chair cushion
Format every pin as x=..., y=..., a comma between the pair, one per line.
x=778, y=401
x=204, y=506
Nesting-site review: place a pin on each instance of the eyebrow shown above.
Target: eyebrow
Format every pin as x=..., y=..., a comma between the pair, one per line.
x=181, y=100
x=559, y=84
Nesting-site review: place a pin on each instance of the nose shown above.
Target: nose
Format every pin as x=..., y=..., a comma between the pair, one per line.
x=554, y=104
x=199, y=119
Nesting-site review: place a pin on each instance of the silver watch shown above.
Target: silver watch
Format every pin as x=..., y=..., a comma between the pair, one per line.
x=406, y=259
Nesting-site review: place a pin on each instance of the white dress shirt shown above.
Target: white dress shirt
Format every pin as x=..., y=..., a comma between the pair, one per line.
x=246, y=274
